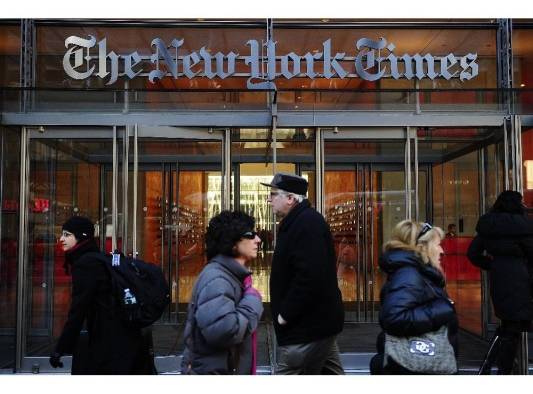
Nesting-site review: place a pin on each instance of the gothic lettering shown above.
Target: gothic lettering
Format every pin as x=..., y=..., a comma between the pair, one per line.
x=373, y=60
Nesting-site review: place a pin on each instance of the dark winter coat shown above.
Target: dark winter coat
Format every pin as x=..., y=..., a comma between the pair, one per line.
x=111, y=347
x=220, y=321
x=413, y=300
x=303, y=279
x=508, y=239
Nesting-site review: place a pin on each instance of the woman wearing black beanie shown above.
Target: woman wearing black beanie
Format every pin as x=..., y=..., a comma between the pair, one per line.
x=112, y=347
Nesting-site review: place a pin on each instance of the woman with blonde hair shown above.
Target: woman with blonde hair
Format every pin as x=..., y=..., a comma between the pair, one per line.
x=413, y=299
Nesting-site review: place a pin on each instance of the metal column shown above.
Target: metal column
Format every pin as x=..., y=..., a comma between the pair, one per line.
x=114, y=195
x=319, y=171
x=516, y=146
x=226, y=170
x=135, y=183
x=125, y=176
x=408, y=172
x=22, y=248
x=504, y=43
x=27, y=62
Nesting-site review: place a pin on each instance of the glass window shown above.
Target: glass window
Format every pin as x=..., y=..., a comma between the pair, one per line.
x=9, y=55
x=523, y=68
x=9, y=236
x=527, y=166
x=364, y=193
x=67, y=177
x=452, y=158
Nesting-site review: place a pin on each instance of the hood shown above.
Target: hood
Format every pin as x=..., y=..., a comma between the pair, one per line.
x=393, y=260
x=503, y=224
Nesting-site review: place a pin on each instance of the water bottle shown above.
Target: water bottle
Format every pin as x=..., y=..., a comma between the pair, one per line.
x=129, y=298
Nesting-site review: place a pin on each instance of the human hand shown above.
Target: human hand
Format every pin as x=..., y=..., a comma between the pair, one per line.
x=253, y=292
x=55, y=360
x=281, y=320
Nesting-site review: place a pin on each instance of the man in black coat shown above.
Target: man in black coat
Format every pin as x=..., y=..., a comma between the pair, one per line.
x=112, y=347
x=306, y=302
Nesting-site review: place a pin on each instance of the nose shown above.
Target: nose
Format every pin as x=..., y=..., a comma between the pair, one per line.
x=257, y=239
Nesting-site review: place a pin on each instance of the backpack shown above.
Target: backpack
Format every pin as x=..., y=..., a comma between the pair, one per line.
x=140, y=290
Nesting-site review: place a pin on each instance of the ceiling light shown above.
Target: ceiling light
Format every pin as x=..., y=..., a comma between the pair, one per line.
x=522, y=85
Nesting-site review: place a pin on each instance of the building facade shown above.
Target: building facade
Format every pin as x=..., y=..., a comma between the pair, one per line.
x=152, y=127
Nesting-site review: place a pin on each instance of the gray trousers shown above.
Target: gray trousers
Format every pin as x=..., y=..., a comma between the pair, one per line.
x=314, y=358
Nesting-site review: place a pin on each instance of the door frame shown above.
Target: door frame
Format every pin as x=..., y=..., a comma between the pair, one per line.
x=366, y=133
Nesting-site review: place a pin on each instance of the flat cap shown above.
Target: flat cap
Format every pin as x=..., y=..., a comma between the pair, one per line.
x=288, y=182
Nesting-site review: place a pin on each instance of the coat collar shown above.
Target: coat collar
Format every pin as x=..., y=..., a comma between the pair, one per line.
x=81, y=248
x=293, y=214
x=231, y=265
x=395, y=259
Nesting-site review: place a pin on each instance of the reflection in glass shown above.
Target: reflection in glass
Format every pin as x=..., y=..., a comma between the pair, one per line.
x=363, y=202
x=65, y=180
x=9, y=235
x=453, y=156
x=176, y=198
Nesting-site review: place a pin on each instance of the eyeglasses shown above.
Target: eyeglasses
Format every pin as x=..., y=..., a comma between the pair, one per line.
x=274, y=194
x=249, y=235
x=66, y=234
x=425, y=228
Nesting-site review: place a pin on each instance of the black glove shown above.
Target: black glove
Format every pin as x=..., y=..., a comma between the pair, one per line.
x=55, y=360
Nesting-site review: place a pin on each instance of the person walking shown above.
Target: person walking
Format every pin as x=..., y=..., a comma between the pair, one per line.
x=112, y=347
x=225, y=308
x=306, y=302
x=413, y=299
x=503, y=246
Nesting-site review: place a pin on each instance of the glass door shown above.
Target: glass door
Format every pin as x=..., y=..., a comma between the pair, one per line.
x=362, y=204
x=150, y=192
x=174, y=192
x=174, y=207
x=365, y=195
x=68, y=175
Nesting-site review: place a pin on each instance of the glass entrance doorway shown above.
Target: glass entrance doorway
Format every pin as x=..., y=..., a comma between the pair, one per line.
x=150, y=192
x=365, y=193
x=363, y=203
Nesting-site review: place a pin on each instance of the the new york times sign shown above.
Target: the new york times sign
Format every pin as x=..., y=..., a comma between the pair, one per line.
x=372, y=59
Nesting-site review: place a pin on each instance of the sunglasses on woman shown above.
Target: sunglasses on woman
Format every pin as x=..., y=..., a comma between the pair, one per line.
x=249, y=235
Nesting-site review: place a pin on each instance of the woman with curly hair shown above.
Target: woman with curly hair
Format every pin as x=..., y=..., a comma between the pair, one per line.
x=225, y=308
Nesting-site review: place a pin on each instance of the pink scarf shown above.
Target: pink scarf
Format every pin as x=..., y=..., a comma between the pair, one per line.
x=246, y=284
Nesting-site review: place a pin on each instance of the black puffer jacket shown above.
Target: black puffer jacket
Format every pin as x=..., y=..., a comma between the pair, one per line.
x=508, y=239
x=111, y=347
x=303, y=279
x=413, y=300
